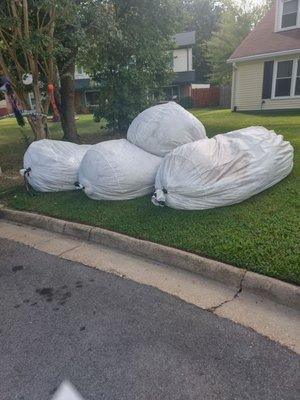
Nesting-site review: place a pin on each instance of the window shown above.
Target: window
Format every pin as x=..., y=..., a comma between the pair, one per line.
x=172, y=93
x=79, y=70
x=290, y=13
x=31, y=101
x=92, y=98
x=286, y=81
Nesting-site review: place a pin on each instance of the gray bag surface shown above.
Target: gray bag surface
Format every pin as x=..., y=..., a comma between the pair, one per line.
x=53, y=165
x=117, y=170
x=224, y=170
x=162, y=128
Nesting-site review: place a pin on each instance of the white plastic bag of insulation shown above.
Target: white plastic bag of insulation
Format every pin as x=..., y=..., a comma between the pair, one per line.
x=162, y=128
x=224, y=170
x=52, y=165
x=117, y=170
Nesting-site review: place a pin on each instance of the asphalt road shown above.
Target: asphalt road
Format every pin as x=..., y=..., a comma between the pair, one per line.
x=115, y=339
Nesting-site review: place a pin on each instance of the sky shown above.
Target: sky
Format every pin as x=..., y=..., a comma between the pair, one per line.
x=250, y=2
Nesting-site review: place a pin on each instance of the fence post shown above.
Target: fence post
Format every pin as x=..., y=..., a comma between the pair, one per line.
x=225, y=96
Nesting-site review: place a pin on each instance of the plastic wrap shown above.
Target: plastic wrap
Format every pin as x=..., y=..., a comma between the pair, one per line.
x=52, y=165
x=117, y=170
x=162, y=128
x=224, y=170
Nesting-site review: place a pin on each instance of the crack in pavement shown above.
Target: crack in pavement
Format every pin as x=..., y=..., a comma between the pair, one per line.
x=66, y=251
x=236, y=295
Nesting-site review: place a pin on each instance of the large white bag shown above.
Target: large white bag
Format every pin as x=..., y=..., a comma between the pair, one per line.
x=117, y=170
x=162, y=128
x=224, y=170
x=52, y=165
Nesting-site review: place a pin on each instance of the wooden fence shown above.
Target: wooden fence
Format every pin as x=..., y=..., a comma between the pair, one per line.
x=206, y=97
x=225, y=96
x=212, y=97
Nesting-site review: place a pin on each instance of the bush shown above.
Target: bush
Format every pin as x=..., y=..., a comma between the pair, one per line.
x=97, y=114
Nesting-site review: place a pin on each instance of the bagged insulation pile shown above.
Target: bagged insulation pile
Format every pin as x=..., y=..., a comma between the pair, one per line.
x=224, y=170
x=52, y=165
x=117, y=170
x=162, y=128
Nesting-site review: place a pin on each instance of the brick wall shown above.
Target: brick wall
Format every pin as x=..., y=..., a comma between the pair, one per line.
x=3, y=111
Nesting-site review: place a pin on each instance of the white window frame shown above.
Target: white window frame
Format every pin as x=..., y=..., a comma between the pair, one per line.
x=293, y=84
x=31, y=101
x=280, y=15
x=80, y=74
x=79, y=70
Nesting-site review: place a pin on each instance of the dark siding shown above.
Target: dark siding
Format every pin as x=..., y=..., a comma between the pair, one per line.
x=268, y=79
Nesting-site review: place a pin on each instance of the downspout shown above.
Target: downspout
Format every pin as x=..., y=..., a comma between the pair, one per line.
x=233, y=96
x=188, y=60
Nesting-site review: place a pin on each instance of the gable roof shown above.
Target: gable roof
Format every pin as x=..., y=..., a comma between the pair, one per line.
x=264, y=40
x=184, y=39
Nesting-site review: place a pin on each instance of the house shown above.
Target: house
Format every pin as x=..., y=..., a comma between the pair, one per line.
x=5, y=106
x=86, y=91
x=182, y=64
x=266, y=65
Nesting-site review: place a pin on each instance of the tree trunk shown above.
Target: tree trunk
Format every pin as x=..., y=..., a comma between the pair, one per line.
x=67, y=102
x=39, y=126
x=37, y=122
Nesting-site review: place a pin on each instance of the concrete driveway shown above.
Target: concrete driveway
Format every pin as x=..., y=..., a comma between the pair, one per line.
x=116, y=339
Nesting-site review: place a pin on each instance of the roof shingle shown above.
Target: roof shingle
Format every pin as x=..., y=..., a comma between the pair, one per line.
x=263, y=39
x=185, y=38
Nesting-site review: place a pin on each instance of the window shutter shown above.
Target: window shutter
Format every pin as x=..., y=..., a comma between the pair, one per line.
x=268, y=80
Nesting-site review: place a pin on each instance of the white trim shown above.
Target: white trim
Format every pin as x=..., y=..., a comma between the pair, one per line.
x=80, y=74
x=279, y=16
x=274, y=79
x=294, y=77
x=265, y=56
x=31, y=101
x=293, y=83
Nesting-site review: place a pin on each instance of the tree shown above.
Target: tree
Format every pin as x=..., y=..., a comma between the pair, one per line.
x=203, y=17
x=26, y=46
x=235, y=24
x=127, y=54
x=69, y=36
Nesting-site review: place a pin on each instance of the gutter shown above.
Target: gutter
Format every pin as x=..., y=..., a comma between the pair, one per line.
x=263, y=56
x=272, y=289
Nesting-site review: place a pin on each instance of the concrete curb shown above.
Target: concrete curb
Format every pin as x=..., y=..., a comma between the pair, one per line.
x=273, y=289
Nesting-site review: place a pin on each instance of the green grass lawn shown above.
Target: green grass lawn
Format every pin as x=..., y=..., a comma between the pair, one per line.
x=261, y=234
x=12, y=144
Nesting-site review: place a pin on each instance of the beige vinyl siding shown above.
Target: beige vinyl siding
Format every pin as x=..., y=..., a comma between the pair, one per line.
x=247, y=88
x=281, y=104
x=180, y=60
x=183, y=60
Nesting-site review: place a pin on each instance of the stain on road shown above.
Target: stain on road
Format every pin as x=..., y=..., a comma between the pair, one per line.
x=116, y=339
